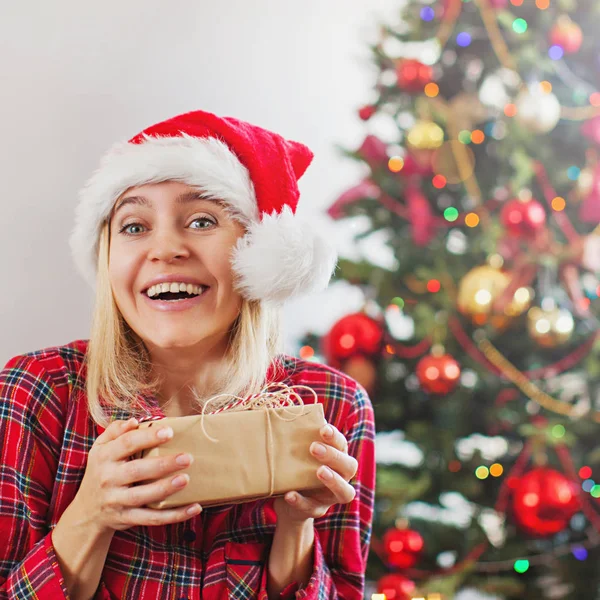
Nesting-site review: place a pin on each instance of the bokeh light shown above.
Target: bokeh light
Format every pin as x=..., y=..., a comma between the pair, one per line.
x=585, y=472
x=432, y=90
x=496, y=470
x=439, y=181
x=519, y=25
x=555, y=52
x=521, y=566
x=510, y=110
x=427, y=13
x=477, y=136
x=558, y=203
x=482, y=472
x=433, y=286
x=546, y=87
x=472, y=220
x=463, y=39
x=451, y=214
x=306, y=352
x=396, y=164
x=595, y=99
x=573, y=173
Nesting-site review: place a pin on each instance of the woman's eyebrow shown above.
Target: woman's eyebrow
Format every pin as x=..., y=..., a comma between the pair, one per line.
x=181, y=199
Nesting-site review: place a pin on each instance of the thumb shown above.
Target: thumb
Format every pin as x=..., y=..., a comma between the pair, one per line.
x=116, y=429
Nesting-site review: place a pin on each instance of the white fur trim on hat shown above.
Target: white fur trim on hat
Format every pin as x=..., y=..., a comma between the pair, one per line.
x=281, y=257
x=278, y=258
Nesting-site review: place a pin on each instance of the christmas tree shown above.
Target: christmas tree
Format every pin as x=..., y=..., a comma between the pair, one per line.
x=478, y=344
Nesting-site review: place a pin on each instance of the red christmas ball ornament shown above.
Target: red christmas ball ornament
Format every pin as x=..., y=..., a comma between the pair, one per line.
x=403, y=547
x=353, y=335
x=567, y=35
x=544, y=501
x=396, y=587
x=366, y=112
x=413, y=75
x=438, y=374
x=523, y=218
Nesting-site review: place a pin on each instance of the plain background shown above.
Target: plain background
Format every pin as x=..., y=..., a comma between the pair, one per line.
x=76, y=77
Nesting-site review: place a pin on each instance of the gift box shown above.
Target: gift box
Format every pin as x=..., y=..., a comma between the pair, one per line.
x=243, y=455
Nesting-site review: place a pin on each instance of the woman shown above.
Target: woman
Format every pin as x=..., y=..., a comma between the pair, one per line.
x=188, y=232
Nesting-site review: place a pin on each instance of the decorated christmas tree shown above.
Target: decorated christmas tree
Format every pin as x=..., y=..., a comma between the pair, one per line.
x=478, y=344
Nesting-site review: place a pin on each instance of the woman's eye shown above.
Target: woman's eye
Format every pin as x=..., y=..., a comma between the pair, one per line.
x=205, y=223
x=130, y=229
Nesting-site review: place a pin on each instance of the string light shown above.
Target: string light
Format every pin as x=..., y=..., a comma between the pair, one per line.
x=390, y=349
x=585, y=472
x=580, y=553
x=510, y=110
x=573, y=173
x=454, y=466
x=482, y=472
x=595, y=99
x=516, y=2
x=432, y=90
x=542, y=4
x=587, y=485
x=521, y=566
x=555, y=52
x=427, y=13
x=464, y=137
x=439, y=181
x=472, y=220
x=399, y=302
x=451, y=214
x=558, y=431
x=396, y=164
x=477, y=136
x=463, y=39
x=496, y=470
x=433, y=286
x=558, y=203
x=519, y=25
x=546, y=87
x=306, y=352
x=595, y=491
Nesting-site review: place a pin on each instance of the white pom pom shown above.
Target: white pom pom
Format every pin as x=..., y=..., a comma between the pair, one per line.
x=281, y=257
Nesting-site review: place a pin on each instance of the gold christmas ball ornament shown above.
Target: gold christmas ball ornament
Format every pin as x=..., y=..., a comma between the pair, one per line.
x=425, y=135
x=453, y=160
x=481, y=287
x=550, y=327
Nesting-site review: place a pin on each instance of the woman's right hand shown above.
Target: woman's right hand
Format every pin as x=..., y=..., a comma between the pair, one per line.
x=106, y=492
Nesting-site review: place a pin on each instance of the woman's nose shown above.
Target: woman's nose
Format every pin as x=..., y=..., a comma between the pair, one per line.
x=167, y=247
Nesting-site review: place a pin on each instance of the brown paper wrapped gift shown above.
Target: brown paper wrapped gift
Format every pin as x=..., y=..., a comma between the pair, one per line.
x=243, y=455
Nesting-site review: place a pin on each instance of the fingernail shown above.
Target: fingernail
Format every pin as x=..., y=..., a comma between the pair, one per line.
x=291, y=498
x=327, y=431
x=184, y=460
x=325, y=473
x=318, y=449
x=165, y=433
x=194, y=510
x=179, y=481
x=132, y=421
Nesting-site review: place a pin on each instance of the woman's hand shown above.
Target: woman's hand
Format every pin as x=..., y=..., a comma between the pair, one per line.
x=337, y=470
x=106, y=493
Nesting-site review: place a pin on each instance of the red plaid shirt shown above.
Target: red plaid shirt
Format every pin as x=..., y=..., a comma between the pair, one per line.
x=46, y=433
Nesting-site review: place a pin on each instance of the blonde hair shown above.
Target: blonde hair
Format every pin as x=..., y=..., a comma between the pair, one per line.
x=118, y=364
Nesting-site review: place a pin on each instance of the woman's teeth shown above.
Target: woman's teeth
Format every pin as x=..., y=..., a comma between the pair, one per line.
x=174, y=288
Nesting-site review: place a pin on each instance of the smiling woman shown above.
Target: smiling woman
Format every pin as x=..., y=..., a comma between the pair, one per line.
x=188, y=234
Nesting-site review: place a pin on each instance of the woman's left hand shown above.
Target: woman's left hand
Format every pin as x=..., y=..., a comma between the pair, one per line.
x=337, y=470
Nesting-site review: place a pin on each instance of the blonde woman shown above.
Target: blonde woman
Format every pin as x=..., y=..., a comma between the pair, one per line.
x=189, y=234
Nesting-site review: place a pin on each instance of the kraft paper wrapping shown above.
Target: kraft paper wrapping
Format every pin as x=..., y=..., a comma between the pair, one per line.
x=256, y=454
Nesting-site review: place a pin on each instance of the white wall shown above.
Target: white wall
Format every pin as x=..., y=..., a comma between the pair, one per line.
x=77, y=76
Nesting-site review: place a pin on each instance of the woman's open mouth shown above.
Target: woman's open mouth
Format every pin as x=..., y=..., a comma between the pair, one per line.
x=174, y=296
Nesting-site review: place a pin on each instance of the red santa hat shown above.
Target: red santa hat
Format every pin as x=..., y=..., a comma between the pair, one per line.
x=252, y=170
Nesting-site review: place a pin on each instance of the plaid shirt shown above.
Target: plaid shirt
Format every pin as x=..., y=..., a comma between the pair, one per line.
x=46, y=433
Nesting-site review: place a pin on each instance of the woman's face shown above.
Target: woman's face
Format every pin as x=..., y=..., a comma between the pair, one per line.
x=169, y=265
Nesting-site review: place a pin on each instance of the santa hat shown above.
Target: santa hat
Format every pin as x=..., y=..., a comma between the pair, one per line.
x=252, y=170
